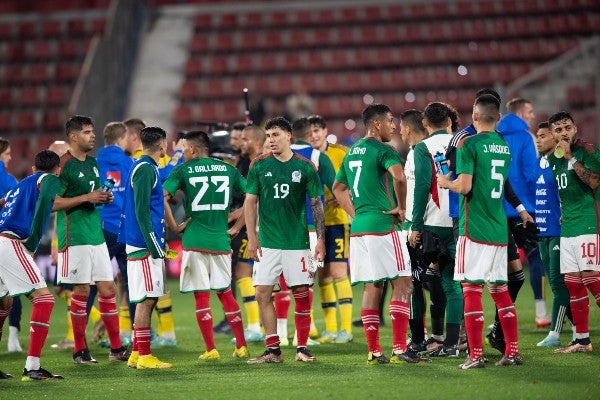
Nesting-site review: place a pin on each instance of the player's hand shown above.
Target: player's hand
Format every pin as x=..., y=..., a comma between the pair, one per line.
x=111, y=198
x=398, y=212
x=179, y=228
x=98, y=197
x=566, y=146
x=443, y=181
x=254, y=249
x=233, y=231
x=177, y=145
x=414, y=239
x=319, y=254
x=525, y=217
x=333, y=202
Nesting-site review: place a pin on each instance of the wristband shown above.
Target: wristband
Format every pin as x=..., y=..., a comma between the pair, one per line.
x=520, y=208
x=572, y=162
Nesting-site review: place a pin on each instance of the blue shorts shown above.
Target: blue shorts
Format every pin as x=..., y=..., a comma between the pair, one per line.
x=336, y=243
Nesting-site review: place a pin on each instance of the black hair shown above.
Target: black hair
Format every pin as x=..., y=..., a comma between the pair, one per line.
x=76, y=123
x=199, y=139
x=413, y=118
x=301, y=128
x=279, y=122
x=544, y=125
x=151, y=136
x=436, y=114
x=373, y=111
x=46, y=160
x=559, y=116
x=490, y=91
x=489, y=107
x=317, y=120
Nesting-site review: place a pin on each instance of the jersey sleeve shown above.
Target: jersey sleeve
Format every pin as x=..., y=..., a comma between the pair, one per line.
x=314, y=188
x=173, y=182
x=253, y=184
x=389, y=158
x=465, y=161
x=591, y=160
x=423, y=176
x=326, y=171
x=64, y=180
x=49, y=186
x=142, y=181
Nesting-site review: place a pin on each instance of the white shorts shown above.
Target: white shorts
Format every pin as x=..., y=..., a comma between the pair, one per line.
x=480, y=263
x=146, y=278
x=294, y=264
x=18, y=272
x=312, y=241
x=579, y=253
x=84, y=264
x=375, y=258
x=204, y=271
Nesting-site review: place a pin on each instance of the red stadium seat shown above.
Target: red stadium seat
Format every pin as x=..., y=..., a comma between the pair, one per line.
x=16, y=52
x=56, y=96
x=26, y=121
x=6, y=30
x=30, y=97
x=14, y=74
x=52, y=28
x=189, y=91
x=5, y=122
x=6, y=97
x=76, y=27
x=27, y=30
x=38, y=73
x=193, y=68
x=67, y=72
x=52, y=121
x=42, y=50
x=98, y=25
x=183, y=116
x=69, y=49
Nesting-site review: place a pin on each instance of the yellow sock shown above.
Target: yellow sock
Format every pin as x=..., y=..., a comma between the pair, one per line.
x=95, y=315
x=328, y=303
x=70, y=334
x=344, y=292
x=314, y=332
x=164, y=309
x=250, y=305
x=124, y=321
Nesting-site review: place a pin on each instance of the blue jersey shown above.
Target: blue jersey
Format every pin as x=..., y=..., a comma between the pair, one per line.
x=26, y=208
x=143, y=221
x=547, y=201
x=113, y=163
x=453, y=203
x=7, y=181
x=311, y=154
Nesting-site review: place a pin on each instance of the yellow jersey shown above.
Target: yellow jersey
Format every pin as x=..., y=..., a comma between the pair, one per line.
x=335, y=215
x=164, y=160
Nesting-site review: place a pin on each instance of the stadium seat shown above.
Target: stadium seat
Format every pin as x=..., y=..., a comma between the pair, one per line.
x=29, y=96
x=76, y=27
x=38, y=73
x=56, y=96
x=52, y=121
x=183, y=116
x=6, y=30
x=14, y=74
x=5, y=122
x=27, y=30
x=67, y=72
x=16, y=52
x=189, y=91
x=52, y=28
x=42, y=50
x=26, y=121
x=6, y=97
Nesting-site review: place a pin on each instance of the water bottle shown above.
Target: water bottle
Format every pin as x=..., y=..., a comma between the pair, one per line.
x=107, y=187
x=441, y=164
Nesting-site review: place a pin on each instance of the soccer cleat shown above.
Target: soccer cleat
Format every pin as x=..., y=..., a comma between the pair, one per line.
x=99, y=330
x=151, y=362
x=241, y=352
x=445, y=351
x=121, y=354
x=211, y=355
x=302, y=354
x=497, y=343
x=38, y=375
x=408, y=357
x=327, y=337
x=5, y=376
x=160, y=341
x=433, y=344
x=269, y=356
x=549, y=341
x=84, y=357
x=507, y=361
x=575, y=347
x=418, y=347
x=133, y=359
x=542, y=322
x=63, y=345
x=372, y=359
x=251, y=337
x=479, y=362
x=343, y=337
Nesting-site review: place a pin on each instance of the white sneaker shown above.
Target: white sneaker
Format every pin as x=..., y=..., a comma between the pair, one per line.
x=13, y=340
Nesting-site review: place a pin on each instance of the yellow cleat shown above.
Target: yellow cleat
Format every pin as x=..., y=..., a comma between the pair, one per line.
x=242, y=352
x=151, y=362
x=212, y=355
x=133, y=359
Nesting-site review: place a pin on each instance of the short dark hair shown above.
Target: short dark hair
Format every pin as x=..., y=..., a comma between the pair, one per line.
x=489, y=107
x=317, y=120
x=279, y=122
x=114, y=131
x=76, y=123
x=413, y=118
x=373, y=111
x=238, y=126
x=436, y=114
x=516, y=104
x=491, y=91
x=46, y=160
x=454, y=118
x=559, y=116
x=301, y=128
x=544, y=125
x=257, y=132
x=199, y=139
x=135, y=123
x=4, y=144
x=151, y=136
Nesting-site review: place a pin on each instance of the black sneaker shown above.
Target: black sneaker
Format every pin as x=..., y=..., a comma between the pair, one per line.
x=418, y=347
x=445, y=351
x=38, y=375
x=506, y=361
x=5, y=376
x=222, y=327
x=372, y=359
x=408, y=357
x=496, y=342
x=476, y=363
x=118, y=355
x=302, y=354
x=84, y=357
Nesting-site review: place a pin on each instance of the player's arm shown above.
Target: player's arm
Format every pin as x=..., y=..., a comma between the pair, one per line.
x=423, y=174
x=95, y=197
x=142, y=182
x=48, y=188
x=399, y=183
x=326, y=171
x=461, y=185
x=341, y=191
x=250, y=215
x=587, y=176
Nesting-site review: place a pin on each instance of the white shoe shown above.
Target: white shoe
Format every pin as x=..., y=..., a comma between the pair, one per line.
x=13, y=340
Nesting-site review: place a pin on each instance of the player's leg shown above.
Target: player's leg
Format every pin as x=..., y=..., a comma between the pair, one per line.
x=5, y=305
x=14, y=326
x=328, y=303
x=282, y=302
x=243, y=271
x=537, y=279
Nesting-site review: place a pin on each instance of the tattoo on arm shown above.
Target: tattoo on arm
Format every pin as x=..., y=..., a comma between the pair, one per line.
x=590, y=178
x=316, y=205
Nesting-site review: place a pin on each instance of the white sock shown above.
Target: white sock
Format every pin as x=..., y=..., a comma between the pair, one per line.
x=32, y=363
x=553, y=334
x=254, y=327
x=282, y=328
x=540, y=308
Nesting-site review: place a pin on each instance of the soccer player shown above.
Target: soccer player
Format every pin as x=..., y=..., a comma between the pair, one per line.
x=335, y=270
x=482, y=168
x=372, y=176
x=547, y=217
x=83, y=255
x=25, y=212
x=577, y=174
x=206, y=265
x=142, y=228
x=280, y=180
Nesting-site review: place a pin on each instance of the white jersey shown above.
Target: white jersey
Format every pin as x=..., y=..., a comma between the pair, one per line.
x=409, y=173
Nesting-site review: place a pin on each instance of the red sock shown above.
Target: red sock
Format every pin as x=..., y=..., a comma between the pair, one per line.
x=508, y=318
x=282, y=300
x=79, y=320
x=399, y=314
x=370, y=320
x=142, y=338
x=134, y=345
x=302, y=315
x=473, y=318
x=580, y=303
x=39, y=324
x=110, y=316
x=204, y=317
x=272, y=341
x=592, y=283
x=233, y=315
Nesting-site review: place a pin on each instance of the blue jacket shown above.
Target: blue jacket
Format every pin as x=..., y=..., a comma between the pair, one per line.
x=523, y=164
x=114, y=163
x=7, y=181
x=547, y=202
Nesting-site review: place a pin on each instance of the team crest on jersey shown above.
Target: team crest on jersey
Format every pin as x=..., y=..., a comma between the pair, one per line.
x=96, y=172
x=296, y=176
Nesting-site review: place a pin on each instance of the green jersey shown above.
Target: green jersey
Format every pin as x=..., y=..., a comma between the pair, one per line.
x=485, y=157
x=207, y=184
x=579, y=203
x=281, y=188
x=365, y=172
x=81, y=224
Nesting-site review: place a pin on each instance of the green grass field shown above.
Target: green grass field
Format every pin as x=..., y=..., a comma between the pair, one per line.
x=340, y=372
